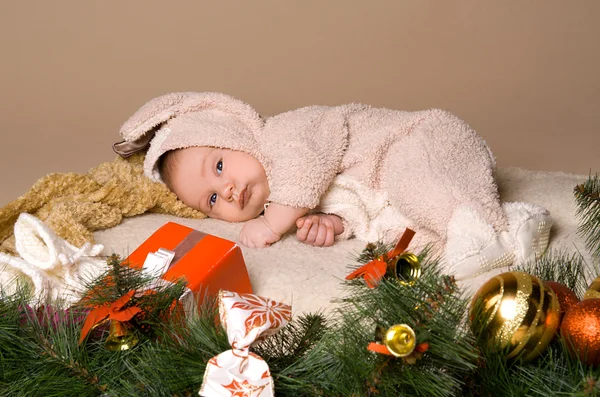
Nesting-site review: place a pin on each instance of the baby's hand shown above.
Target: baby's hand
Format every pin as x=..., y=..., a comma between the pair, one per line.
x=319, y=229
x=256, y=234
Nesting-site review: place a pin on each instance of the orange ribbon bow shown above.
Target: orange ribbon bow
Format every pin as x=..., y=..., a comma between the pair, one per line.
x=114, y=311
x=383, y=349
x=374, y=271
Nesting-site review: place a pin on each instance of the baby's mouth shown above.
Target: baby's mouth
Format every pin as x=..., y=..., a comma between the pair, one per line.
x=243, y=197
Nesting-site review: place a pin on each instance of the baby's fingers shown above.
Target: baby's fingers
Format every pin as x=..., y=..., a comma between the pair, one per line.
x=302, y=233
x=321, y=235
x=313, y=233
x=326, y=235
x=330, y=235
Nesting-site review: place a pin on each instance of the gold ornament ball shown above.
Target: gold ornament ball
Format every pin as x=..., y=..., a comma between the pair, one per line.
x=581, y=330
x=594, y=290
x=517, y=313
x=566, y=297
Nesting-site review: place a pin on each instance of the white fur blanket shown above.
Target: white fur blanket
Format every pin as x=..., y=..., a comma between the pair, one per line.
x=309, y=278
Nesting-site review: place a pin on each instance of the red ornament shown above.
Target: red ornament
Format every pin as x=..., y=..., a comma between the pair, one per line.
x=581, y=330
x=566, y=297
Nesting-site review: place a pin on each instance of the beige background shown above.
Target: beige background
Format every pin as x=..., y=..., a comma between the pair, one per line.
x=525, y=74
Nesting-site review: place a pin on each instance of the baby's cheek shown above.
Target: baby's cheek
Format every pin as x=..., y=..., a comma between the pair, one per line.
x=232, y=214
x=253, y=213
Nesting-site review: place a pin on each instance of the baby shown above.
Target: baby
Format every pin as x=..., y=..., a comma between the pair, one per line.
x=233, y=186
x=337, y=172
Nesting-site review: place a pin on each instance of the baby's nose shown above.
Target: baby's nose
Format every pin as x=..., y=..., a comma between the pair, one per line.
x=227, y=191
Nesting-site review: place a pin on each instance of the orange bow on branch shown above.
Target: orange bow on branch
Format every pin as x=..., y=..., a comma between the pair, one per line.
x=399, y=340
x=114, y=311
x=383, y=349
x=374, y=271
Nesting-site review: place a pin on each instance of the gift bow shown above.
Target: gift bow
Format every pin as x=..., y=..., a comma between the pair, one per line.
x=374, y=271
x=238, y=372
x=114, y=311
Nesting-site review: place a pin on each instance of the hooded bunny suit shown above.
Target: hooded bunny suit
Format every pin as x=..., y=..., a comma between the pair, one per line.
x=380, y=170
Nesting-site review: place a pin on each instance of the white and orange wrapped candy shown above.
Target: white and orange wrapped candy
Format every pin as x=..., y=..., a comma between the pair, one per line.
x=238, y=372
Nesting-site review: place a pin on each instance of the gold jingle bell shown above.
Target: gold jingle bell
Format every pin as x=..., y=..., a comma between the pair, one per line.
x=594, y=290
x=515, y=312
x=406, y=268
x=120, y=337
x=400, y=339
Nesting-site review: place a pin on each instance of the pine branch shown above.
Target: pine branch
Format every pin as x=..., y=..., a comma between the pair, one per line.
x=431, y=306
x=299, y=336
x=558, y=265
x=72, y=366
x=587, y=197
x=40, y=354
x=312, y=356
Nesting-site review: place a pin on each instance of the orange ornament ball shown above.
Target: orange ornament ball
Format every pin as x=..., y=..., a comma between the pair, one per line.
x=581, y=330
x=566, y=297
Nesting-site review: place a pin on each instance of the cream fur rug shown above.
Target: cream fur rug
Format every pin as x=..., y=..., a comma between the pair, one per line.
x=309, y=278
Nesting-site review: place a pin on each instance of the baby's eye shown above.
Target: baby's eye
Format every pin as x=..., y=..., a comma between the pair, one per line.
x=213, y=199
x=219, y=166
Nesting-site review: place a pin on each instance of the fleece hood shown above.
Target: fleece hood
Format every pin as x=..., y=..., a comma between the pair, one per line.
x=184, y=119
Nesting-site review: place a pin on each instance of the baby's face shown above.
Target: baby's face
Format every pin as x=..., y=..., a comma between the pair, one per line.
x=224, y=184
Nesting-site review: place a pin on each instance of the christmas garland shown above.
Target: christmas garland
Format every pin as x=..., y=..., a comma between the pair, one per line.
x=412, y=333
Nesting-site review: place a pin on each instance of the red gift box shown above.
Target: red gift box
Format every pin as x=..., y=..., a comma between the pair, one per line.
x=208, y=263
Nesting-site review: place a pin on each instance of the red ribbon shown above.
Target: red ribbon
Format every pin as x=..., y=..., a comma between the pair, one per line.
x=374, y=271
x=114, y=311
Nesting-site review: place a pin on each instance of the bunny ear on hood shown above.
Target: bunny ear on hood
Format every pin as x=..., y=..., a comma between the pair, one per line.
x=184, y=119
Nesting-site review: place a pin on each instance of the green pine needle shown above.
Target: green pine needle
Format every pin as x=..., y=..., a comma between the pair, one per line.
x=587, y=197
x=561, y=266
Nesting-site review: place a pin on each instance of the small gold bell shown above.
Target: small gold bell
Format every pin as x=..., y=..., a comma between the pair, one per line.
x=406, y=268
x=120, y=337
x=400, y=340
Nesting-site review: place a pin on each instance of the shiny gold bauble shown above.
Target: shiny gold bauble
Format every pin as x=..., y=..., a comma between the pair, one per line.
x=581, y=330
x=593, y=291
x=120, y=337
x=406, y=268
x=517, y=313
x=400, y=339
x=566, y=297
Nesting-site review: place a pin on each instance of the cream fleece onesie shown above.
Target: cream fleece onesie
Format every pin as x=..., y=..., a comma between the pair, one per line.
x=380, y=170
